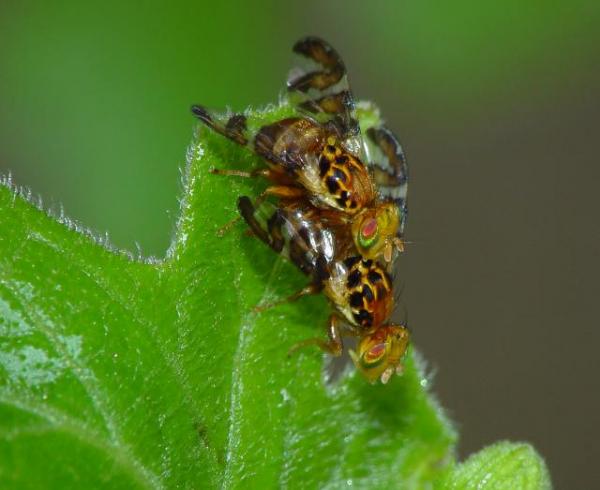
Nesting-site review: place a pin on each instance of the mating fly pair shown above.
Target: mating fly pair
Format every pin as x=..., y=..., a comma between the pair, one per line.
x=341, y=204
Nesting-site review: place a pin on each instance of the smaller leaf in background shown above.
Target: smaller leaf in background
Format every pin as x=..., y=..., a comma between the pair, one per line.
x=502, y=466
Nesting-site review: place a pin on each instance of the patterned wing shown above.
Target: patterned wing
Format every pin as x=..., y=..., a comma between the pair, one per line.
x=319, y=87
x=293, y=232
x=388, y=166
x=290, y=144
x=231, y=125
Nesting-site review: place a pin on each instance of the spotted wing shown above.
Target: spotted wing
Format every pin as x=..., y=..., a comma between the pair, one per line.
x=294, y=232
x=319, y=87
x=388, y=166
x=231, y=125
x=288, y=144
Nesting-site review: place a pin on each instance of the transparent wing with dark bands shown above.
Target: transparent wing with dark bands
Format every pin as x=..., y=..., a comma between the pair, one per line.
x=293, y=232
x=274, y=141
x=387, y=163
x=231, y=125
x=319, y=87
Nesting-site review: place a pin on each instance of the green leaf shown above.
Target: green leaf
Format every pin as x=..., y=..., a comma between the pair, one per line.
x=503, y=466
x=120, y=372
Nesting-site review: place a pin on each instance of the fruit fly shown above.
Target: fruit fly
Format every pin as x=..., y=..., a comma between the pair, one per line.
x=319, y=155
x=360, y=289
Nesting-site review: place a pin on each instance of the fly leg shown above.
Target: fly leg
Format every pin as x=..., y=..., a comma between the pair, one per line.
x=280, y=191
x=231, y=223
x=261, y=172
x=333, y=346
x=267, y=173
x=275, y=174
x=306, y=291
x=284, y=192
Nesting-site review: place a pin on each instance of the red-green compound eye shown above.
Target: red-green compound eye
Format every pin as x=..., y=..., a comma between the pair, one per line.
x=368, y=233
x=374, y=355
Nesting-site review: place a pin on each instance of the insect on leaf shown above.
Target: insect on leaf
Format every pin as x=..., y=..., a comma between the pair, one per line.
x=118, y=372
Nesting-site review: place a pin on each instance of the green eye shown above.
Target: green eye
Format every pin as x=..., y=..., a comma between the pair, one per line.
x=374, y=356
x=368, y=233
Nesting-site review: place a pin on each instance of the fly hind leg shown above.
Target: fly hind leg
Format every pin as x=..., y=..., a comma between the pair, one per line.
x=280, y=191
x=306, y=291
x=261, y=172
x=332, y=346
x=231, y=223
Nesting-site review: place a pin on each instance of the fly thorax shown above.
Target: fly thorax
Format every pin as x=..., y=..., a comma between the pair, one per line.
x=344, y=178
x=286, y=142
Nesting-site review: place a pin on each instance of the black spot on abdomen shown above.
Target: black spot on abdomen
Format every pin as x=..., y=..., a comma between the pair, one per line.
x=354, y=279
x=339, y=175
x=324, y=166
x=356, y=300
x=364, y=318
x=374, y=276
x=368, y=293
x=332, y=185
x=351, y=261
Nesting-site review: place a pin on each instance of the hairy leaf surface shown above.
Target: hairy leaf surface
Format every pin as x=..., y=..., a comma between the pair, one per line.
x=120, y=372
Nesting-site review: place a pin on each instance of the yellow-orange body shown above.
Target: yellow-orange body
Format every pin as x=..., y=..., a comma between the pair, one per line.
x=359, y=289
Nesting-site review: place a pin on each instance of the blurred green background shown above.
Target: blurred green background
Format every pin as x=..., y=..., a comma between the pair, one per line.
x=497, y=105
